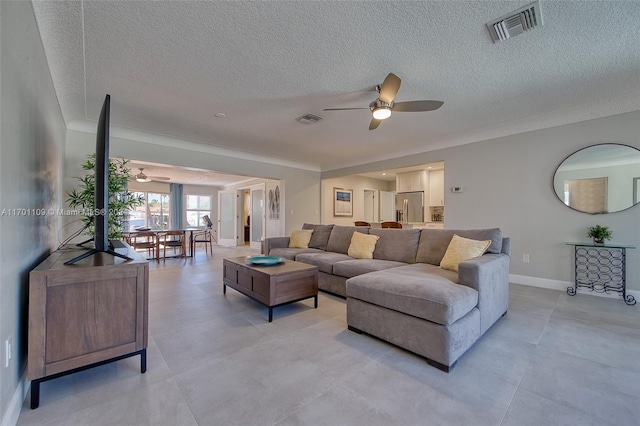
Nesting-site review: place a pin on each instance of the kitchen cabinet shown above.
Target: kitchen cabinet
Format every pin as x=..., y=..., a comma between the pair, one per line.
x=436, y=188
x=411, y=181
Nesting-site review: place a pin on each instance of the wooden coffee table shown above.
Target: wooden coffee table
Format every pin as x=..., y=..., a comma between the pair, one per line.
x=274, y=285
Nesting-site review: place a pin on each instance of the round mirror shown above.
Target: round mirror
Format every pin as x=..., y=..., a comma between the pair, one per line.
x=599, y=179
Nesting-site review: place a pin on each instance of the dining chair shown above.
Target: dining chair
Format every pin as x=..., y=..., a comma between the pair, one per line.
x=173, y=239
x=146, y=240
x=361, y=223
x=203, y=237
x=126, y=237
x=396, y=225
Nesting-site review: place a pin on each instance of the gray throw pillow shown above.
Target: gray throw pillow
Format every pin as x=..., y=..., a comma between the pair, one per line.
x=340, y=238
x=320, y=236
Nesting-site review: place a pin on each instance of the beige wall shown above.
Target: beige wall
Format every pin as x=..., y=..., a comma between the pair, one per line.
x=508, y=184
x=31, y=152
x=358, y=184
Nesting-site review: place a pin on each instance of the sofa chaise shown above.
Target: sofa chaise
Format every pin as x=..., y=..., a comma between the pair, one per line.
x=401, y=294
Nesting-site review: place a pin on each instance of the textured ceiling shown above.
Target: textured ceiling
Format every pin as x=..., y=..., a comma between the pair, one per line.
x=169, y=66
x=183, y=175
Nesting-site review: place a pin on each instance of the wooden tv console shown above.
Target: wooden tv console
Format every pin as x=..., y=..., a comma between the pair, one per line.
x=86, y=314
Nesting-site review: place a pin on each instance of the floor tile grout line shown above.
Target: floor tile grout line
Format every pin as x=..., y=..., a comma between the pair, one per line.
x=546, y=324
x=537, y=348
x=337, y=384
x=516, y=390
x=529, y=362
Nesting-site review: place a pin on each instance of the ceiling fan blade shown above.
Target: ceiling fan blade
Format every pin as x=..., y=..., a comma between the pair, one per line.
x=374, y=124
x=389, y=88
x=341, y=109
x=416, y=106
x=159, y=178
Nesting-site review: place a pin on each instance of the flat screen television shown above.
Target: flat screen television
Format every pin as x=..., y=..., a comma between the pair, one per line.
x=101, y=203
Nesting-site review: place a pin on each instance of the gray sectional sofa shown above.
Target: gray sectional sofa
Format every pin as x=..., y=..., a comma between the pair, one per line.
x=402, y=295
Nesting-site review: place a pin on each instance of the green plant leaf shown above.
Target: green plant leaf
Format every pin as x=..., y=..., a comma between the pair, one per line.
x=120, y=199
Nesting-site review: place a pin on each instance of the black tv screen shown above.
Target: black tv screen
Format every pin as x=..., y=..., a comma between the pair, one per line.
x=101, y=237
x=101, y=202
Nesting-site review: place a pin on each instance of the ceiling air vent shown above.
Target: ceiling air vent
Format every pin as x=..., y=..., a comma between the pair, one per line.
x=309, y=118
x=515, y=23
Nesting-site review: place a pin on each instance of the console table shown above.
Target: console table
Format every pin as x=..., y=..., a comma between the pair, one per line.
x=601, y=268
x=86, y=314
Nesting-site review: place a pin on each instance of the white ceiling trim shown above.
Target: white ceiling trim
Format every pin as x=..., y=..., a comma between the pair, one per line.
x=599, y=109
x=171, y=142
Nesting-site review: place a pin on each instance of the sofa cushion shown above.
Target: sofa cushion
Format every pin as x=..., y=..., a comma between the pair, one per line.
x=323, y=260
x=430, y=296
x=400, y=245
x=340, y=238
x=434, y=242
x=425, y=268
x=300, y=238
x=362, y=245
x=291, y=253
x=320, y=235
x=353, y=268
x=462, y=249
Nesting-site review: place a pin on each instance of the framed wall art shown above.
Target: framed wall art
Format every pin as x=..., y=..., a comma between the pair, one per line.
x=342, y=202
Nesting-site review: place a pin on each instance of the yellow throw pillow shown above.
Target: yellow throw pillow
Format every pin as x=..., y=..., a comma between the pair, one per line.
x=362, y=245
x=300, y=238
x=462, y=249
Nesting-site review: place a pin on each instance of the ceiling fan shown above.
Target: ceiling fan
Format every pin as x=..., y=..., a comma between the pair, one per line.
x=141, y=177
x=382, y=107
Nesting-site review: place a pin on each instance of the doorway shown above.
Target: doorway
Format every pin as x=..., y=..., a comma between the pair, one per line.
x=258, y=222
x=370, y=210
x=227, y=218
x=246, y=217
x=241, y=216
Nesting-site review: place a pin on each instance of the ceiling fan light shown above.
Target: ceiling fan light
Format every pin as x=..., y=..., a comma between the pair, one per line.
x=141, y=177
x=381, y=113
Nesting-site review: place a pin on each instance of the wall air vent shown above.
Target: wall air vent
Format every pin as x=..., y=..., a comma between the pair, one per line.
x=516, y=22
x=309, y=118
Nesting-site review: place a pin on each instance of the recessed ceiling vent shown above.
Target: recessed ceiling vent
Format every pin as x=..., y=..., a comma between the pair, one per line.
x=515, y=23
x=309, y=118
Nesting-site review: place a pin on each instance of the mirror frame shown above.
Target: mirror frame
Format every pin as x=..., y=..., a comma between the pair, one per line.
x=636, y=180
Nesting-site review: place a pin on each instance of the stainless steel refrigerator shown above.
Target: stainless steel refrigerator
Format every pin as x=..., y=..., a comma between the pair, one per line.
x=410, y=207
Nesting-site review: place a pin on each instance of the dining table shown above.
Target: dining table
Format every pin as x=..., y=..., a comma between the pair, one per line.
x=160, y=231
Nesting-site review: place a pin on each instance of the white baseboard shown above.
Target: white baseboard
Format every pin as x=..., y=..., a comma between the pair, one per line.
x=562, y=286
x=539, y=282
x=17, y=400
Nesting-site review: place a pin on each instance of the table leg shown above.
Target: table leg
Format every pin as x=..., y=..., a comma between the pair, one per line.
x=35, y=394
x=571, y=291
x=224, y=289
x=143, y=361
x=315, y=302
x=270, y=313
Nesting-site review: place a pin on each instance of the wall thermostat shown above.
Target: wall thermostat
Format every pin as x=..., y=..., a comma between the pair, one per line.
x=456, y=189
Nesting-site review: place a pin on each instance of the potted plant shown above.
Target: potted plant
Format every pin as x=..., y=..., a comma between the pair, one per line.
x=599, y=234
x=120, y=199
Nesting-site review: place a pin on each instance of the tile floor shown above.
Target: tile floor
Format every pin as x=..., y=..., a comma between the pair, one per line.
x=215, y=360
